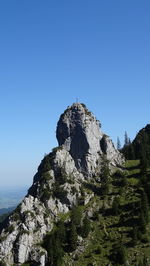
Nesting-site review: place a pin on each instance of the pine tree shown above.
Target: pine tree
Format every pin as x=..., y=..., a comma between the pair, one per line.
x=105, y=175
x=142, y=223
x=147, y=190
x=55, y=251
x=61, y=232
x=73, y=237
x=145, y=262
x=115, y=206
x=122, y=254
x=126, y=139
x=118, y=143
x=86, y=227
x=143, y=164
x=130, y=153
x=134, y=236
x=76, y=216
x=145, y=206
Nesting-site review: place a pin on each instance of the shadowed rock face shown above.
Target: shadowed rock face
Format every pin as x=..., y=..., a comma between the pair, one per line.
x=79, y=132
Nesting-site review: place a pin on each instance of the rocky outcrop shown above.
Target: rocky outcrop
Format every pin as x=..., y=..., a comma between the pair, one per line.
x=79, y=132
x=56, y=188
x=57, y=185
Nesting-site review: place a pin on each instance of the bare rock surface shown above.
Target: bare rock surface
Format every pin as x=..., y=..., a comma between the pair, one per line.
x=79, y=132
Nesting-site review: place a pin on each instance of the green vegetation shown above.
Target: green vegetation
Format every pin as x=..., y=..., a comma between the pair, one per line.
x=45, y=165
x=59, y=192
x=119, y=229
x=26, y=264
x=86, y=227
x=45, y=195
x=73, y=237
x=140, y=147
x=46, y=176
x=10, y=229
x=113, y=228
x=2, y=263
x=3, y=217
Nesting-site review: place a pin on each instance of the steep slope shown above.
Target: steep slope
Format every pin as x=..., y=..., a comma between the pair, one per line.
x=141, y=143
x=57, y=185
x=140, y=147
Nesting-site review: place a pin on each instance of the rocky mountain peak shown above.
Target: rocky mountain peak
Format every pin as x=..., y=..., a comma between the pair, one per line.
x=79, y=132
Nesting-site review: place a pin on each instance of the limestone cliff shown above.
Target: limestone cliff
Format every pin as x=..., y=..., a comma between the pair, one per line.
x=79, y=132
x=57, y=185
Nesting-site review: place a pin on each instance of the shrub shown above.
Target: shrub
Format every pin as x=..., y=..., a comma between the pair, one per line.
x=10, y=229
x=16, y=216
x=45, y=165
x=46, y=195
x=59, y=192
x=46, y=176
x=23, y=231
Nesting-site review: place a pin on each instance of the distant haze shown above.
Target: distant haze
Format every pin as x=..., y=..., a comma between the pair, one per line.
x=11, y=196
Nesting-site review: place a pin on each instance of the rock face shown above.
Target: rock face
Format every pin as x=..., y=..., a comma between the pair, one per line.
x=57, y=185
x=80, y=134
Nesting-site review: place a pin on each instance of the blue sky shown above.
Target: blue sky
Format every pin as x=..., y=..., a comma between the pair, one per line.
x=52, y=52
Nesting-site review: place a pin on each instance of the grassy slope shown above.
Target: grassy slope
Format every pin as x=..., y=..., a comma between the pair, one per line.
x=108, y=230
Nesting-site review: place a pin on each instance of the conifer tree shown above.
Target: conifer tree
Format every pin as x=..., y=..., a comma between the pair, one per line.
x=115, y=206
x=118, y=143
x=61, y=232
x=73, y=237
x=122, y=254
x=142, y=223
x=130, y=153
x=145, y=206
x=86, y=227
x=55, y=250
x=76, y=216
x=126, y=139
x=105, y=175
x=143, y=164
x=134, y=236
x=147, y=190
x=145, y=262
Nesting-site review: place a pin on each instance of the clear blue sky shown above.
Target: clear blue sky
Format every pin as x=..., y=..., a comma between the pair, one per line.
x=52, y=52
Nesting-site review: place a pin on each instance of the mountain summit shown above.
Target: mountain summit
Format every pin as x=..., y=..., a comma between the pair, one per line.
x=79, y=132
x=58, y=185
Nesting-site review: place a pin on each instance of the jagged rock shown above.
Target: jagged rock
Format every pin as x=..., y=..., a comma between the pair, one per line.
x=79, y=132
x=57, y=185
